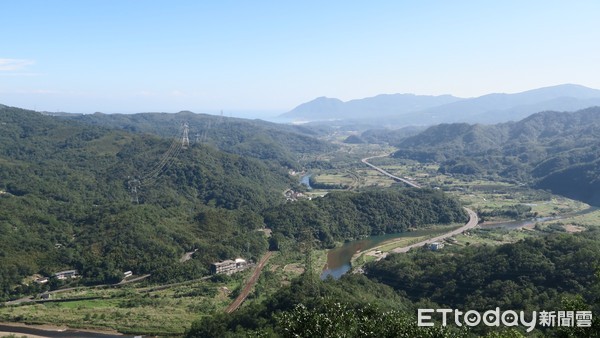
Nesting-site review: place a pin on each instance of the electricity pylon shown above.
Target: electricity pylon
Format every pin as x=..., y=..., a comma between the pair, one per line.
x=185, y=140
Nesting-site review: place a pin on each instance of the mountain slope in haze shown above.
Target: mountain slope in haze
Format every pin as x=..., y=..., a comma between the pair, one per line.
x=283, y=144
x=66, y=202
x=324, y=108
x=390, y=136
x=550, y=150
x=406, y=109
x=494, y=108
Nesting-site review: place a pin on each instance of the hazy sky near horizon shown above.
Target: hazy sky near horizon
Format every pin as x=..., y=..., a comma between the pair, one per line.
x=206, y=56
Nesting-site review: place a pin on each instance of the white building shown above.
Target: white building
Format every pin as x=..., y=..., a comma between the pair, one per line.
x=436, y=246
x=66, y=274
x=229, y=266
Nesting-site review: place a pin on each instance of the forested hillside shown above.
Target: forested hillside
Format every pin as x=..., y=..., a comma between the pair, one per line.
x=350, y=307
x=284, y=144
x=67, y=192
x=346, y=215
x=555, y=272
x=104, y=201
x=547, y=273
x=550, y=150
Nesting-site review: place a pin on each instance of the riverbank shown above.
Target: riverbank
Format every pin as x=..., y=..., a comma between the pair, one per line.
x=54, y=331
x=19, y=335
x=380, y=254
x=380, y=251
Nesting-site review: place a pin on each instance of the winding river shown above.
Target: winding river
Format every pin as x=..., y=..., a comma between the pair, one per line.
x=338, y=259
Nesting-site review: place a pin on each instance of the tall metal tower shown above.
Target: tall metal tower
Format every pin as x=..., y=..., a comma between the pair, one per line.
x=185, y=140
x=133, y=185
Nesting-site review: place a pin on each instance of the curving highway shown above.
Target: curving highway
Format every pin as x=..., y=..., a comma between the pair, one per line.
x=473, y=219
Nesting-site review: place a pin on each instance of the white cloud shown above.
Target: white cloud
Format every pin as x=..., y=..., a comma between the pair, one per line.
x=11, y=74
x=32, y=91
x=8, y=65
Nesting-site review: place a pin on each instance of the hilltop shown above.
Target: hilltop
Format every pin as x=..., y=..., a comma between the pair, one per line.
x=280, y=143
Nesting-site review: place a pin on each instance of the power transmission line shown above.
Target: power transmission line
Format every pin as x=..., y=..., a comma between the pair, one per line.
x=150, y=177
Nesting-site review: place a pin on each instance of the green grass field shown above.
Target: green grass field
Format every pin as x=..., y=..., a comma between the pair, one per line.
x=131, y=310
x=487, y=195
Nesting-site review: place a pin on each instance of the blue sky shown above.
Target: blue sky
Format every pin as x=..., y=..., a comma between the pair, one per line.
x=269, y=56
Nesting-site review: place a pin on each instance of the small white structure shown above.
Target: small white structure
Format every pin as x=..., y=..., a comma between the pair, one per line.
x=42, y=280
x=127, y=274
x=62, y=275
x=436, y=246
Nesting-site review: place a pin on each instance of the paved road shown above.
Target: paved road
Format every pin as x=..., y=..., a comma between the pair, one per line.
x=240, y=299
x=395, y=178
x=473, y=221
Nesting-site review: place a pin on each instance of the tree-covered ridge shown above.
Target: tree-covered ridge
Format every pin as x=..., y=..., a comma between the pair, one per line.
x=532, y=274
x=346, y=215
x=89, y=160
x=551, y=150
x=66, y=202
x=284, y=144
x=350, y=307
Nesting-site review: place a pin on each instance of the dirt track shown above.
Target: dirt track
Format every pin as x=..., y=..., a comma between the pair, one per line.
x=248, y=287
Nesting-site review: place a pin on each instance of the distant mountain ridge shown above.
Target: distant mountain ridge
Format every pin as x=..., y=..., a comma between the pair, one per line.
x=324, y=108
x=405, y=109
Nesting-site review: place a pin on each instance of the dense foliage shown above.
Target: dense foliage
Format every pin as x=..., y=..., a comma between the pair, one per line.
x=66, y=202
x=550, y=150
x=350, y=307
x=346, y=215
x=530, y=275
x=79, y=196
